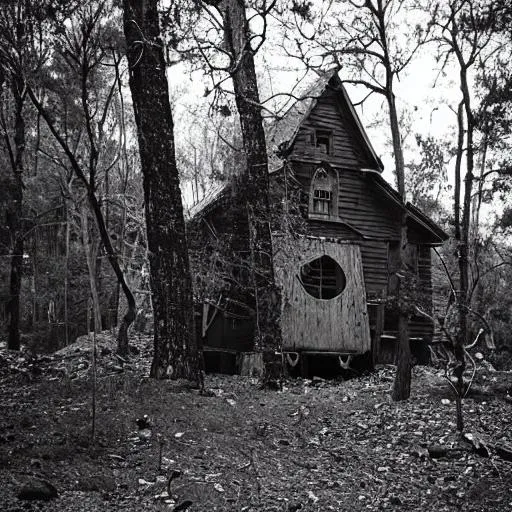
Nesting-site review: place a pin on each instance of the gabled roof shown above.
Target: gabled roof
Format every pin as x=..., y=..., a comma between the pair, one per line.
x=283, y=131
x=414, y=213
x=210, y=200
x=282, y=134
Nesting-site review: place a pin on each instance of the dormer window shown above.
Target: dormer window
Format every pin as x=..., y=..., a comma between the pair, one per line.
x=323, y=197
x=323, y=141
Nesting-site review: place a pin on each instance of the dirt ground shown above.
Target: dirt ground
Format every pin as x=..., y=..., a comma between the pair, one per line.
x=314, y=446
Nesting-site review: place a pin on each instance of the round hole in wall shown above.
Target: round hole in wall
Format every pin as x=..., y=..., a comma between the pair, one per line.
x=322, y=278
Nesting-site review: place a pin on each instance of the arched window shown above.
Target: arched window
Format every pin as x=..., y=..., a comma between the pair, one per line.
x=323, y=196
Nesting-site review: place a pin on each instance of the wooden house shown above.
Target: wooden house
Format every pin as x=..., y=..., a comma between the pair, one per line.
x=336, y=275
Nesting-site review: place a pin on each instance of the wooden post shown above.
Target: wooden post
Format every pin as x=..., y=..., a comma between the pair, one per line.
x=304, y=365
x=379, y=327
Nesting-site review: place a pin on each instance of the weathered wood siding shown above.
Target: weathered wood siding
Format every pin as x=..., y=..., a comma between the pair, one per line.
x=347, y=149
x=359, y=204
x=363, y=207
x=332, y=230
x=375, y=265
x=425, y=274
x=441, y=290
x=335, y=325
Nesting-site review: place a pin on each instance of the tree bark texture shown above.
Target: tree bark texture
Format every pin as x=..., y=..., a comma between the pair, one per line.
x=14, y=219
x=397, y=142
x=253, y=189
x=402, y=383
x=175, y=348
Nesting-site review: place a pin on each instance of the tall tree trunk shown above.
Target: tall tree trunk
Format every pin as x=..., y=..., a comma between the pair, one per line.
x=396, y=140
x=14, y=219
x=129, y=316
x=460, y=337
x=463, y=300
x=477, y=204
x=402, y=383
x=33, y=287
x=175, y=348
x=253, y=190
x=458, y=166
x=66, y=277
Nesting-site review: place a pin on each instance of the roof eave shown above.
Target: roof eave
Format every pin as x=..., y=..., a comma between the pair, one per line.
x=413, y=211
x=360, y=126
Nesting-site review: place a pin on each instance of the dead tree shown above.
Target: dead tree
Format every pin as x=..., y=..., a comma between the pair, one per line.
x=464, y=36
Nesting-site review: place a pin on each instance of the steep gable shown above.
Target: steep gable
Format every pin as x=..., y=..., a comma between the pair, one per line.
x=331, y=117
x=325, y=106
x=368, y=206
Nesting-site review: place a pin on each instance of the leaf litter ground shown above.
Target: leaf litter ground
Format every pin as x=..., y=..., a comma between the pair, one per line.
x=314, y=446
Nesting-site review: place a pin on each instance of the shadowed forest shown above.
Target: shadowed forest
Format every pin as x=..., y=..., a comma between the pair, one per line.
x=255, y=255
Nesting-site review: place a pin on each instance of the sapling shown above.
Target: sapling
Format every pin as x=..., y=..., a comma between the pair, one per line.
x=93, y=405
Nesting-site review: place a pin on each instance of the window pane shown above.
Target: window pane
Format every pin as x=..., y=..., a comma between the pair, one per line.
x=322, y=278
x=321, y=206
x=323, y=141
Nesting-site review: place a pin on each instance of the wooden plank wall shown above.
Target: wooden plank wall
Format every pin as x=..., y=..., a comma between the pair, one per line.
x=364, y=210
x=419, y=326
x=425, y=272
x=360, y=205
x=335, y=325
x=332, y=230
x=329, y=115
x=375, y=265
